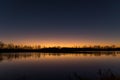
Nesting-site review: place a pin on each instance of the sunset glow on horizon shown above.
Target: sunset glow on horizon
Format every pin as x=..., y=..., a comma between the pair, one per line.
x=60, y=23
x=59, y=39
x=62, y=43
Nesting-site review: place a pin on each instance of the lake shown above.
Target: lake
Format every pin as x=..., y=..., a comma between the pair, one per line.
x=58, y=66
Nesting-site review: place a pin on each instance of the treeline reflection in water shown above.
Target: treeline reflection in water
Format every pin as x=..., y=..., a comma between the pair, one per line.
x=11, y=56
x=100, y=65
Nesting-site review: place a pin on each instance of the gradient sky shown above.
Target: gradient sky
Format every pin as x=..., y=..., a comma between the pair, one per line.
x=60, y=22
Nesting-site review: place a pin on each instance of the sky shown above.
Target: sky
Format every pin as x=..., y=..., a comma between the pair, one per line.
x=60, y=22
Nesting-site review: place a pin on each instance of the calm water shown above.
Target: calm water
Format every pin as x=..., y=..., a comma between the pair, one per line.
x=56, y=66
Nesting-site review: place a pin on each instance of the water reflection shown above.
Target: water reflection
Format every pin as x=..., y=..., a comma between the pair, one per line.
x=58, y=66
x=11, y=56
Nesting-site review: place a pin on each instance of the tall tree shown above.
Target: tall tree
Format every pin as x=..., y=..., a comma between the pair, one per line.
x=1, y=44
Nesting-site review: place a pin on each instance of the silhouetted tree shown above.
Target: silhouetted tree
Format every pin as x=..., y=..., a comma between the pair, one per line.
x=97, y=46
x=17, y=46
x=10, y=46
x=113, y=46
x=1, y=44
x=27, y=47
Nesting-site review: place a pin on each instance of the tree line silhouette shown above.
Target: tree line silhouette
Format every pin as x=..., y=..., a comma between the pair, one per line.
x=25, y=48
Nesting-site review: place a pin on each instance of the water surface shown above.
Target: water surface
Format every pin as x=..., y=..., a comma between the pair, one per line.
x=56, y=66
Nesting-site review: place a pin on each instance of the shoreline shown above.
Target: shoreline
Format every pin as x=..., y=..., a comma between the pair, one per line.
x=61, y=50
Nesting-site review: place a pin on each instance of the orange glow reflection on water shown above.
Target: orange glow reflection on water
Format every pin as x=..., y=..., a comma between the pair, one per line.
x=60, y=57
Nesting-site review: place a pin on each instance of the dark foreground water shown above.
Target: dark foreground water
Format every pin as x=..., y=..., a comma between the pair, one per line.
x=57, y=66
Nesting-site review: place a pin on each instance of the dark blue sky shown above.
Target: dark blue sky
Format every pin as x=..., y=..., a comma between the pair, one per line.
x=88, y=21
